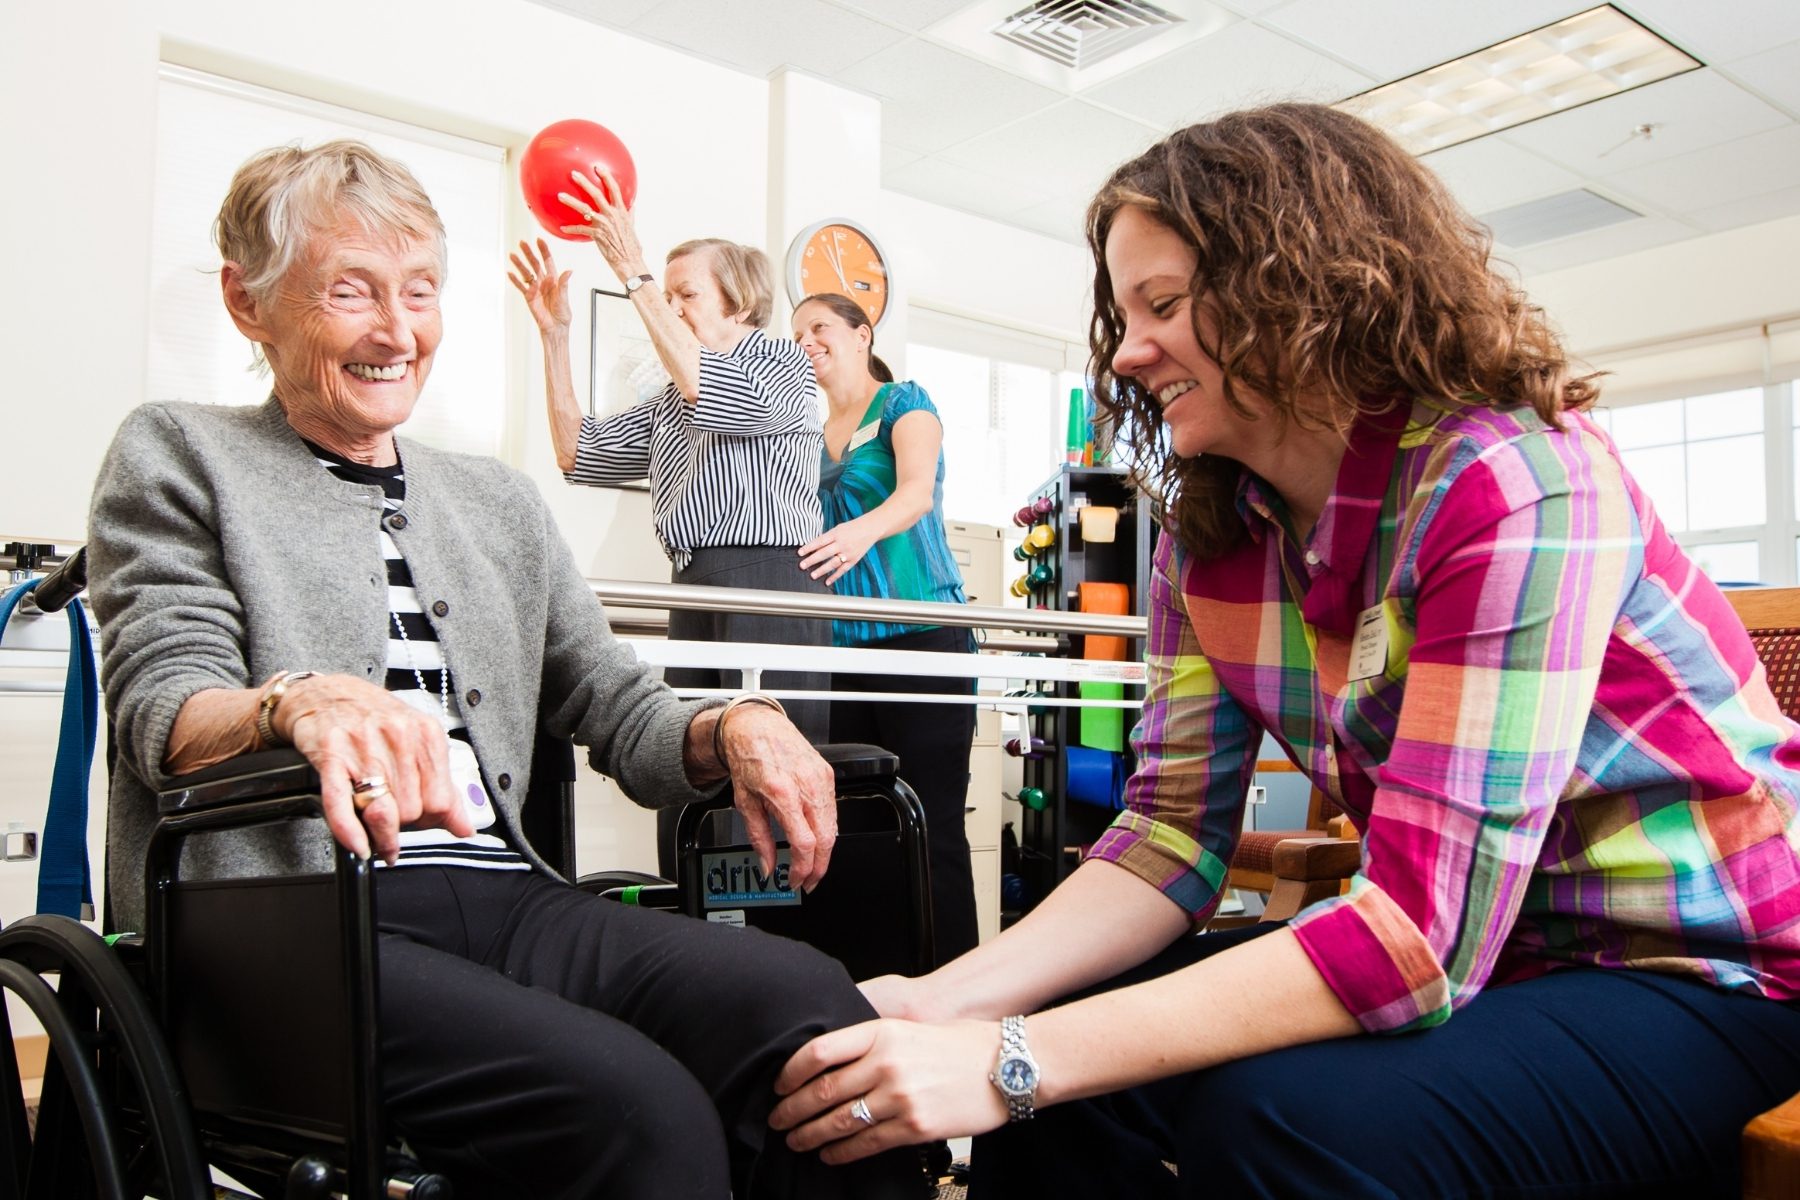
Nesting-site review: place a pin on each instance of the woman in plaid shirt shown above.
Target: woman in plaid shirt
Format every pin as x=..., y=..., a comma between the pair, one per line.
x=1396, y=546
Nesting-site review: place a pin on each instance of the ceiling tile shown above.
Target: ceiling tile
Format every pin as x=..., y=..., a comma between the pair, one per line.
x=1753, y=210
x=1240, y=65
x=1061, y=219
x=1775, y=73
x=1072, y=147
x=1719, y=32
x=1751, y=166
x=760, y=36
x=1392, y=38
x=934, y=98
x=906, y=14
x=1490, y=173
x=616, y=13
x=1689, y=112
x=1611, y=242
x=989, y=193
x=1250, y=8
x=895, y=156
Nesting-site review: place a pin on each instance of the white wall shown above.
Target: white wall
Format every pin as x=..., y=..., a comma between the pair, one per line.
x=1736, y=279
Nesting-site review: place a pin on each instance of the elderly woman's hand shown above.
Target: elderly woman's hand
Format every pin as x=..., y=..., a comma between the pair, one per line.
x=776, y=773
x=546, y=293
x=867, y=1088
x=351, y=730
x=608, y=221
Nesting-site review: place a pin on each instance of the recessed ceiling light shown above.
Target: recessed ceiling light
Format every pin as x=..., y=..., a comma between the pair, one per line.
x=1580, y=59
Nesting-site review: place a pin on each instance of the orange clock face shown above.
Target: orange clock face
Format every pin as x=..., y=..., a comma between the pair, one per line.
x=840, y=258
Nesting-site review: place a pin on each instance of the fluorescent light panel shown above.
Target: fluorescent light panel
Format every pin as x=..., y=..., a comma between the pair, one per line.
x=1586, y=57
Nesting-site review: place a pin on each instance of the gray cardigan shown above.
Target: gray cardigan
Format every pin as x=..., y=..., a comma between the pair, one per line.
x=220, y=552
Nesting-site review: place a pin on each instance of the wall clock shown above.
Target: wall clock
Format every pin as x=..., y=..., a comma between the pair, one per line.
x=839, y=256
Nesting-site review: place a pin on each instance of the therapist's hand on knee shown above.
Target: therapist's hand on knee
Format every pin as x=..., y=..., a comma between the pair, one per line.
x=775, y=773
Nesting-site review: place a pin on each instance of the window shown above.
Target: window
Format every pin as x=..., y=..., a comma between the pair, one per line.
x=1706, y=464
x=1003, y=397
x=206, y=126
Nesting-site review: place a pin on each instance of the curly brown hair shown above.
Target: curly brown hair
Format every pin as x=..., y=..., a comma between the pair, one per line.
x=1330, y=263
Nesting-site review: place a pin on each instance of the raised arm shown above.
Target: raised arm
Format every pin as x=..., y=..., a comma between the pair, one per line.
x=547, y=297
x=614, y=233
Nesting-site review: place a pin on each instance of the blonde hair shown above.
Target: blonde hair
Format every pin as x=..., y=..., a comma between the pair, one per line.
x=280, y=197
x=743, y=273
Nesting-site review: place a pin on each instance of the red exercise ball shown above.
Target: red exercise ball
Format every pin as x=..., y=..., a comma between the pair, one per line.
x=572, y=145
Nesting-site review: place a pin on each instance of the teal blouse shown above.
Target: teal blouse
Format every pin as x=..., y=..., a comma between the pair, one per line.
x=914, y=564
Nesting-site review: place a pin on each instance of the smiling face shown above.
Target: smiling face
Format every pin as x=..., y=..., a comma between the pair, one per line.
x=1152, y=272
x=839, y=351
x=349, y=333
x=693, y=289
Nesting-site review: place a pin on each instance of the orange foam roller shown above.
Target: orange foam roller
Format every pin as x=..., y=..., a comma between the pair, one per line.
x=1108, y=599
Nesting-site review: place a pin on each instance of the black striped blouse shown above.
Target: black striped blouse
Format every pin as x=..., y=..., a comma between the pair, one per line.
x=419, y=677
x=738, y=468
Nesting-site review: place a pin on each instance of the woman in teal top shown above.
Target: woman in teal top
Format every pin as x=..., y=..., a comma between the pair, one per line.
x=881, y=484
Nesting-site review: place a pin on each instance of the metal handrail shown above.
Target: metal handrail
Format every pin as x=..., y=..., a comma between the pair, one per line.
x=624, y=593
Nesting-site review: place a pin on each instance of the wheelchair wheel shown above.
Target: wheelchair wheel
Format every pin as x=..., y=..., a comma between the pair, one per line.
x=113, y=1120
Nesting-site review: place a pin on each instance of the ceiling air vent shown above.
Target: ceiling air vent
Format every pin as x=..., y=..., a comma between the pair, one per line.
x=1079, y=33
x=1553, y=217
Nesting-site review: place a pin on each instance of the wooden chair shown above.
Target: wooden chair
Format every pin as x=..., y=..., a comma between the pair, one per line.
x=1772, y=615
x=1294, y=867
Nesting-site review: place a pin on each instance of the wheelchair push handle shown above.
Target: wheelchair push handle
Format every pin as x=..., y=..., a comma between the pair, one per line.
x=61, y=585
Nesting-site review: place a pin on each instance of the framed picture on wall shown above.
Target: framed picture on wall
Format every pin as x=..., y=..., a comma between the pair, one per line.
x=622, y=365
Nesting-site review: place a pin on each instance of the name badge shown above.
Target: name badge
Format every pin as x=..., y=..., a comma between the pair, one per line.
x=863, y=436
x=1368, y=650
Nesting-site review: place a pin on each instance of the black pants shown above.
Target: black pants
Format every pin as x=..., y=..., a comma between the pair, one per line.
x=775, y=568
x=932, y=741
x=540, y=1042
x=1584, y=1083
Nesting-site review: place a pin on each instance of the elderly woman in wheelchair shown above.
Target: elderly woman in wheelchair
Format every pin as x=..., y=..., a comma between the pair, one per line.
x=296, y=574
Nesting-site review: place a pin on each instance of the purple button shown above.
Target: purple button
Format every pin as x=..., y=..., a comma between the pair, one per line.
x=477, y=797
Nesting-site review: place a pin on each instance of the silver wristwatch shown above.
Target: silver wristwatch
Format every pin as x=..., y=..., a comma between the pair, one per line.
x=1016, y=1074
x=638, y=281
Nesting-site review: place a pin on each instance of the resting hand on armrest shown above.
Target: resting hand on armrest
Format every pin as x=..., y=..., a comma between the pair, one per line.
x=775, y=773
x=348, y=729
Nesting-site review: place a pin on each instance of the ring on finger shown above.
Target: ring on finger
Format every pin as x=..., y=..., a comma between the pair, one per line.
x=843, y=560
x=366, y=791
x=859, y=1108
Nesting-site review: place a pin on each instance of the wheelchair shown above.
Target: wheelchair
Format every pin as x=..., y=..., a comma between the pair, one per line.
x=170, y=1048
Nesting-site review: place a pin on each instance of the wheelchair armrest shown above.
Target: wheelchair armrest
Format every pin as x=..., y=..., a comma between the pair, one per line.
x=858, y=761
x=265, y=775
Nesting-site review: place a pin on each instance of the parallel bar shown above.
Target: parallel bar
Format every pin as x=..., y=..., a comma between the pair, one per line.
x=624, y=593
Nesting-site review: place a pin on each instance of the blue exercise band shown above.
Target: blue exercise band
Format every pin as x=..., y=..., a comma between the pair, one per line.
x=65, y=884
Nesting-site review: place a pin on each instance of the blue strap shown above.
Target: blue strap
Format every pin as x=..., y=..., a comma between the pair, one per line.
x=64, y=880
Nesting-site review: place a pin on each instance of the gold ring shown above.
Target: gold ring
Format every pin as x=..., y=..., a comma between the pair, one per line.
x=366, y=791
x=842, y=559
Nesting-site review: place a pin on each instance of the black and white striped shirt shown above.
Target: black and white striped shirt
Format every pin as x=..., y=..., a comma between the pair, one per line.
x=418, y=676
x=740, y=467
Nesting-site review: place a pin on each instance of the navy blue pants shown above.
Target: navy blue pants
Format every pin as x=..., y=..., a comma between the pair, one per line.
x=1586, y=1082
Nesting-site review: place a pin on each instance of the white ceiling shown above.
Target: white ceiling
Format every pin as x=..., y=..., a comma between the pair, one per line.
x=964, y=132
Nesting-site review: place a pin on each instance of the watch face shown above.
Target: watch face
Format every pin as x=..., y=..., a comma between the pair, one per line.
x=1017, y=1076
x=838, y=257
